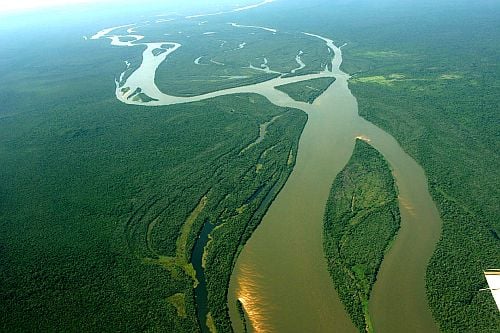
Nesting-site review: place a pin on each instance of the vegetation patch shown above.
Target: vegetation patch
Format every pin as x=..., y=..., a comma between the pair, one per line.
x=307, y=91
x=179, y=301
x=241, y=313
x=142, y=97
x=450, y=76
x=361, y=219
x=210, y=324
x=379, y=79
x=381, y=54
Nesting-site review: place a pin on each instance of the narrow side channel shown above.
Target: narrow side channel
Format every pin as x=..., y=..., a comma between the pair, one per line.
x=200, y=292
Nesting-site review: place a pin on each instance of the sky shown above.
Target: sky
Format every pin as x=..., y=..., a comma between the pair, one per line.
x=21, y=5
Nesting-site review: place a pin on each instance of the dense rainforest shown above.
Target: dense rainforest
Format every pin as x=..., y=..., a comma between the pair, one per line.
x=96, y=196
x=361, y=219
x=445, y=113
x=101, y=203
x=433, y=85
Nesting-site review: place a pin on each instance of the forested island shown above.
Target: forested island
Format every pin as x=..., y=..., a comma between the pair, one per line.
x=361, y=220
x=307, y=91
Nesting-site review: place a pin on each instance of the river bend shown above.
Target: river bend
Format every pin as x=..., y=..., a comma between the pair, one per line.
x=281, y=275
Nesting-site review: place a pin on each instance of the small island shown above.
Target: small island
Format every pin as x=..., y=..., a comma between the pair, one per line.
x=307, y=91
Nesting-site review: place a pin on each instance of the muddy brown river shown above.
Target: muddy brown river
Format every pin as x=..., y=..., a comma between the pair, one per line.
x=281, y=275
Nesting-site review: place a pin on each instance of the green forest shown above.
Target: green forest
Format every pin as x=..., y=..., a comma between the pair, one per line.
x=307, y=91
x=427, y=72
x=442, y=105
x=361, y=219
x=101, y=202
x=223, y=59
x=96, y=196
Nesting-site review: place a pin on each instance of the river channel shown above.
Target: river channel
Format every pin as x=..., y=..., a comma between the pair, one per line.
x=281, y=275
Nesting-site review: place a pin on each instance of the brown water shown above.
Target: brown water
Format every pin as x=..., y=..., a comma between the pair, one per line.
x=281, y=275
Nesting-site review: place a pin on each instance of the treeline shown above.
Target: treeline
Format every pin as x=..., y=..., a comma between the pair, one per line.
x=361, y=219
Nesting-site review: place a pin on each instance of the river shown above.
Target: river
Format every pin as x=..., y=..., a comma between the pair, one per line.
x=281, y=275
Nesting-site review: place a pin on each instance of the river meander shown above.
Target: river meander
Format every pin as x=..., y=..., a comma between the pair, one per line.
x=281, y=275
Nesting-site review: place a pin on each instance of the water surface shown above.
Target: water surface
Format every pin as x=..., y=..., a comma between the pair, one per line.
x=281, y=275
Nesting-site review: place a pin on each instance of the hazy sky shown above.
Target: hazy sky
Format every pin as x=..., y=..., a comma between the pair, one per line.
x=19, y=5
